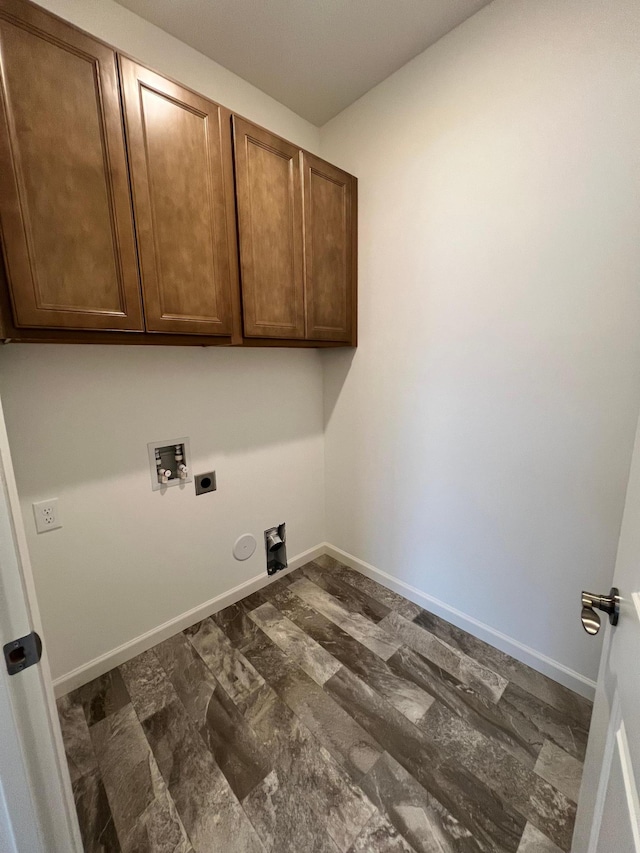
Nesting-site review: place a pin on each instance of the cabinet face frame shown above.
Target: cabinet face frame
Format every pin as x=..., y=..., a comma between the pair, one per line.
x=286, y=285
x=18, y=214
x=211, y=263
x=330, y=269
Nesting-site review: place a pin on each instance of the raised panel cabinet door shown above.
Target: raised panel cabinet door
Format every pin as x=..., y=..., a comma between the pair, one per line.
x=182, y=177
x=65, y=206
x=269, y=199
x=330, y=251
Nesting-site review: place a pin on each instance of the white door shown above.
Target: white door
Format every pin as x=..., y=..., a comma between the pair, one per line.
x=37, y=814
x=608, y=819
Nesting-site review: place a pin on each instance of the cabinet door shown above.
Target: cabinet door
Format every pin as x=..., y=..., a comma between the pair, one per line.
x=182, y=176
x=269, y=202
x=65, y=206
x=330, y=251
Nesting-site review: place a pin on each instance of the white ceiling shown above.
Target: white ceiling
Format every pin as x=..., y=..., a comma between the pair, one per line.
x=314, y=56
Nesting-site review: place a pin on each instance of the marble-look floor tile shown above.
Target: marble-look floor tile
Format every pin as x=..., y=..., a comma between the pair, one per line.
x=517, y=786
x=309, y=767
x=327, y=562
x=310, y=657
x=250, y=602
x=97, y=828
x=226, y=827
x=534, y=841
x=268, y=659
x=233, y=743
x=379, y=836
x=559, y=768
x=403, y=693
x=405, y=696
x=386, y=596
x=158, y=830
x=324, y=713
x=103, y=696
x=78, y=748
x=535, y=683
x=94, y=813
x=297, y=609
x=334, y=729
x=303, y=762
x=416, y=814
x=237, y=626
x=139, y=800
x=467, y=670
x=239, y=753
x=183, y=758
x=370, y=634
x=342, y=805
x=493, y=824
x=354, y=599
x=341, y=736
x=210, y=812
x=515, y=733
x=372, y=588
x=554, y=725
x=235, y=674
x=146, y=684
x=283, y=820
x=186, y=675
x=408, y=609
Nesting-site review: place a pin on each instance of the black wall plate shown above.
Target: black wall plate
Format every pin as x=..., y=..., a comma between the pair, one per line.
x=205, y=483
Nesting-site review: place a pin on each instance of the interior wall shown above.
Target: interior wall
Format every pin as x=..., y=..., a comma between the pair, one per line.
x=128, y=559
x=478, y=442
x=117, y=26
x=79, y=418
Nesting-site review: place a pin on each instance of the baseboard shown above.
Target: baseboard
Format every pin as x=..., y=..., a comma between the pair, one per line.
x=98, y=666
x=554, y=669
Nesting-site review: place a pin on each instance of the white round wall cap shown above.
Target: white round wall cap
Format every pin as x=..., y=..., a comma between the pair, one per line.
x=244, y=546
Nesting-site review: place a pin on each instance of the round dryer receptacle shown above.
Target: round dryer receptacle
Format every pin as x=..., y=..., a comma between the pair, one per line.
x=244, y=546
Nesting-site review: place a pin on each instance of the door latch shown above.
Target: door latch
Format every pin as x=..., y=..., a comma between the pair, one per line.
x=23, y=653
x=607, y=603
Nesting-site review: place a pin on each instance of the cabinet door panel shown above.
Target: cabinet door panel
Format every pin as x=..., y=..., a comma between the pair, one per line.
x=329, y=202
x=269, y=201
x=182, y=175
x=65, y=207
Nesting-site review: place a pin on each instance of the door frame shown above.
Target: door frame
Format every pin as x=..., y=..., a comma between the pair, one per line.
x=37, y=810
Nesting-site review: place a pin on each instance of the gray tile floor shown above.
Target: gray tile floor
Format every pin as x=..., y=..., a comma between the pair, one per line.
x=323, y=714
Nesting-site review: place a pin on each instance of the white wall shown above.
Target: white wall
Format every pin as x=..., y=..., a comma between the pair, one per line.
x=79, y=417
x=128, y=559
x=150, y=45
x=478, y=443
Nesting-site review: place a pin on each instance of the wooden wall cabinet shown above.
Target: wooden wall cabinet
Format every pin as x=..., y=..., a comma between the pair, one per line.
x=182, y=179
x=296, y=224
x=121, y=204
x=269, y=199
x=65, y=210
x=330, y=245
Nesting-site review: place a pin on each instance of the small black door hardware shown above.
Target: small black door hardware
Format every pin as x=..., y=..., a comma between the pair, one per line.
x=23, y=653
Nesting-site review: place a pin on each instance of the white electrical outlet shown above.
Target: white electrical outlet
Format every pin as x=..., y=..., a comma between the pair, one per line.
x=47, y=515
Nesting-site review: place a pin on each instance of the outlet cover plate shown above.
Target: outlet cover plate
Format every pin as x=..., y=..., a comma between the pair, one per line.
x=206, y=483
x=47, y=515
